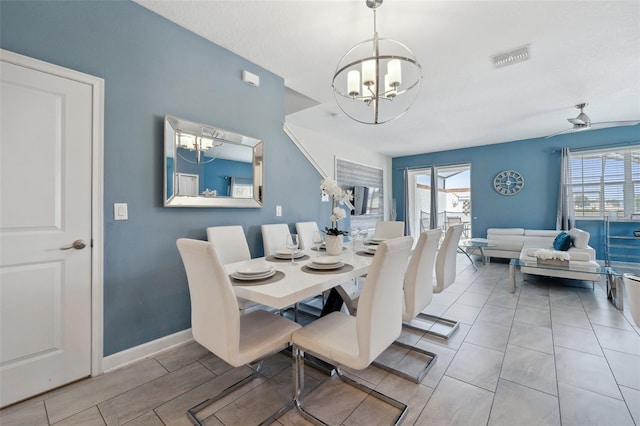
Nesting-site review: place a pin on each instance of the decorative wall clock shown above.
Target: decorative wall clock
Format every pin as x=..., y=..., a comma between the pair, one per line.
x=508, y=182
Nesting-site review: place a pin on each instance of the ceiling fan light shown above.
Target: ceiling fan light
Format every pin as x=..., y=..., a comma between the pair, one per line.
x=580, y=127
x=584, y=118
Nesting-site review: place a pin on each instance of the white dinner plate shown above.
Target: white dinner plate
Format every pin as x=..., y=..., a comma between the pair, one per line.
x=254, y=269
x=325, y=267
x=286, y=254
x=327, y=260
x=371, y=249
x=378, y=240
x=242, y=277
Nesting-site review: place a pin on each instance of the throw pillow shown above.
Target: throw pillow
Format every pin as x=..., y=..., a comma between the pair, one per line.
x=579, y=238
x=562, y=242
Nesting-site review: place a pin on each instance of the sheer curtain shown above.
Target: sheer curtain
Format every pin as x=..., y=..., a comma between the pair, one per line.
x=565, y=217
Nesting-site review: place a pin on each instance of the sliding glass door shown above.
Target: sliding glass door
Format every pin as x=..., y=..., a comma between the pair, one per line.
x=438, y=197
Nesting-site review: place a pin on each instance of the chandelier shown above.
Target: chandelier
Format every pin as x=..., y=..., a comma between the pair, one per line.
x=206, y=143
x=377, y=80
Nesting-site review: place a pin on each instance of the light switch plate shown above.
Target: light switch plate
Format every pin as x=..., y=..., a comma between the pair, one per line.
x=120, y=211
x=278, y=210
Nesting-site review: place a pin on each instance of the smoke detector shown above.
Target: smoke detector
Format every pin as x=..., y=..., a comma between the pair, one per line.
x=514, y=56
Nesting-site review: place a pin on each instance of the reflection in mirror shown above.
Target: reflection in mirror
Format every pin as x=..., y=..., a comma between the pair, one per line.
x=206, y=166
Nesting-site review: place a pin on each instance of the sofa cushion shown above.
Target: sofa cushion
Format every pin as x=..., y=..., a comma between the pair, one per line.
x=540, y=233
x=579, y=238
x=562, y=242
x=505, y=231
x=504, y=245
x=579, y=256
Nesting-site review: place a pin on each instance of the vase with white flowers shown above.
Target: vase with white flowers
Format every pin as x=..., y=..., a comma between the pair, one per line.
x=334, y=234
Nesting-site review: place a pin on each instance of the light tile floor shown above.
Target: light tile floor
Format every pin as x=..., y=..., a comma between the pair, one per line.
x=555, y=352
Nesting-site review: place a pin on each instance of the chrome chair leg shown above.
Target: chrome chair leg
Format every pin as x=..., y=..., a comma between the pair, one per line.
x=432, y=320
x=299, y=387
x=431, y=358
x=191, y=412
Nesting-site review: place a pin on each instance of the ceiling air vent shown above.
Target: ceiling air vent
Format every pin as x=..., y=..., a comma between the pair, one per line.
x=520, y=54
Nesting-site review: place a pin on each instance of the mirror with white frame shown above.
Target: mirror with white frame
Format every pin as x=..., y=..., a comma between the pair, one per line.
x=205, y=166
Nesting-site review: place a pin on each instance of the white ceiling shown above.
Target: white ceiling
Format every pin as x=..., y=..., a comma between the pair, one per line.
x=580, y=51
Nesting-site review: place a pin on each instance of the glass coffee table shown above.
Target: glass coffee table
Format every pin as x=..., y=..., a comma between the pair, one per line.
x=587, y=273
x=469, y=247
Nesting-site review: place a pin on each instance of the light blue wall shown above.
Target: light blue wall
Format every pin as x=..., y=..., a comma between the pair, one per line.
x=539, y=162
x=153, y=67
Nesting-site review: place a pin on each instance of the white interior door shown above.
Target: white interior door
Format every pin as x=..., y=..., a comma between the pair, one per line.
x=188, y=184
x=46, y=205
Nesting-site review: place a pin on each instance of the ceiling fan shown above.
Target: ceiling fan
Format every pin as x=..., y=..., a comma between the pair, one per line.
x=583, y=122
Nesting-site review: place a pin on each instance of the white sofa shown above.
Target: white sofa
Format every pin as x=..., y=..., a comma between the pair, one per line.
x=524, y=243
x=509, y=242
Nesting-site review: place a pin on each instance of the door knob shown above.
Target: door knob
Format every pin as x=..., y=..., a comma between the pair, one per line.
x=77, y=244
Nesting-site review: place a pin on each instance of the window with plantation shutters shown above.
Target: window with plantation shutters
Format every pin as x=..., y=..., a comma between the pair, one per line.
x=606, y=182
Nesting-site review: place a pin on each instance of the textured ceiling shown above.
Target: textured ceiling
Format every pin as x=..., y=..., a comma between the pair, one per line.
x=580, y=51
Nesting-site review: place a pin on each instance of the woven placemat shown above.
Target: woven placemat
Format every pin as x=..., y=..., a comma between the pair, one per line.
x=365, y=253
x=272, y=279
x=272, y=258
x=346, y=268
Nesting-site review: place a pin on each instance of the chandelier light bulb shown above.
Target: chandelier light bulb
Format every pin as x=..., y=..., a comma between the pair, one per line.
x=395, y=72
x=369, y=72
x=206, y=144
x=353, y=83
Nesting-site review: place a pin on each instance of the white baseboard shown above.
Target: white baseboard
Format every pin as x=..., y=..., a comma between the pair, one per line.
x=145, y=350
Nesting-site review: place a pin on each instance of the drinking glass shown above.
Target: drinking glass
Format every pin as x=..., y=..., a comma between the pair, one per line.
x=317, y=239
x=353, y=236
x=363, y=232
x=292, y=244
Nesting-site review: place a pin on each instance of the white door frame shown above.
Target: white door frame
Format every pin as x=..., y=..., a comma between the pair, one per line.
x=97, y=189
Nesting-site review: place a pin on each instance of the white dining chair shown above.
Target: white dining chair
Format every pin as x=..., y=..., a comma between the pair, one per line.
x=273, y=237
x=445, y=276
x=232, y=242
x=632, y=287
x=389, y=229
x=233, y=247
x=350, y=291
x=354, y=342
x=305, y=232
x=216, y=322
x=418, y=293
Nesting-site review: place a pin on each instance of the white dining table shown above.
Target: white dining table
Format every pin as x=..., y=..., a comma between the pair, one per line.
x=298, y=285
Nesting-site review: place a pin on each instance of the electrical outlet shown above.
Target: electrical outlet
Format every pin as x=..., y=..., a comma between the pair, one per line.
x=278, y=210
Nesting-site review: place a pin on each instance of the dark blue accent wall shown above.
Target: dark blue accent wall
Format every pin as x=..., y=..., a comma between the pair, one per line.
x=539, y=162
x=153, y=67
